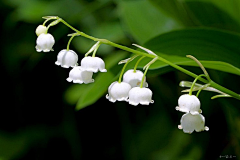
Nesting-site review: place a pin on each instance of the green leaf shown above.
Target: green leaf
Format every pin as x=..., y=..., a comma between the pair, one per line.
x=95, y=90
x=216, y=49
x=12, y=146
x=208, y=13
x=143, y=21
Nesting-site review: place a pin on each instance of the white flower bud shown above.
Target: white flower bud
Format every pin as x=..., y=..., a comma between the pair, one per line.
x=189, y=103
x=93, y=64
x=134, y=78
x=67, y=58
x=45, y=42
x=190, y=122
x=118, y=91
x=140, y=95
x=41, y=29
x=78, y=76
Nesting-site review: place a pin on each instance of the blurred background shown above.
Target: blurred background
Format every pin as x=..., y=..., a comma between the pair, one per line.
x=42, y=116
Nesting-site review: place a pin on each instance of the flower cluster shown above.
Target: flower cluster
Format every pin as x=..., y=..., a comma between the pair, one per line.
x=130, y=89
x=192, y=119
x=131, y=86
x=68, y=58
x=45, y=41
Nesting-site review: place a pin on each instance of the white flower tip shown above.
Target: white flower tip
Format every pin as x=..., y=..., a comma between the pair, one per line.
x=134, y=104
x=177, y=108
x=65, y=66
x=152, y=101
x=78, y=81
x=107, y=96
x=103, y=70
x=179, y=127
x=110, y=99
x=57, y=63
x=206, y=128
x=46, y=50
x=69, y=79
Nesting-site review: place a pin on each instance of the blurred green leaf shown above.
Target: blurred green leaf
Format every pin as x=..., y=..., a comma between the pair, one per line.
x=209, y=13
x=32, y=11
x=216, y=49
x=109, y=30
x=143, y=21
x=11, y=146
x=96, y=90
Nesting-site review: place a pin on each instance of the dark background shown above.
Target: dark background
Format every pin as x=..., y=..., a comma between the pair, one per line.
x=38, y=123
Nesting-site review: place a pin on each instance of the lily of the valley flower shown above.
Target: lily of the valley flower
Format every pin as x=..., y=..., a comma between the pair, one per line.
x=93, y=64
x=118, y=91
x=67, y=58
x=78, y=76
x=134, y=78
x=190, y=122
x=189, y=103
x=45, y=42
x=139, y=95
x=41, y=29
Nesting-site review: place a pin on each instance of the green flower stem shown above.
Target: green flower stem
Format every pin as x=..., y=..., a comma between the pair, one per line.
x=123, y=69
x=135, y=67
x=193, y=84
x=44, y=23
x=144, y=76
x=70, y=41
x=205, y=86
x=104, y=41
x=201, y=66
x=95, y=50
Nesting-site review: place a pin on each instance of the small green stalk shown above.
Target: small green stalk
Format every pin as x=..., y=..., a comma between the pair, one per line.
x=95, y=50
x=123, y=69
x=195, y=80
x=135, y=67
x=70, y=41
x=201, y=66
x=144, y=76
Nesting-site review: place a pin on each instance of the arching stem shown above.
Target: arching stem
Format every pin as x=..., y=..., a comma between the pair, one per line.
x=135, y=67
x=144, y=76
x=193, y=84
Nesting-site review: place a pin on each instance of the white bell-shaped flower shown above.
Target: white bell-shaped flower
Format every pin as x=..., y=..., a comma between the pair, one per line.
x=118, y=91
x=134, y=78
x=189, y=103
x=93, y=64
x=67, y=58
x=140, y=95
x=78, y=76
x=190, y=122
x=45, y=42
x=41, y=29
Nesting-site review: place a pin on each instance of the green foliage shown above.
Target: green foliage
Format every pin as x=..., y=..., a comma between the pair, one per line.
x=135, y=16
x=206, y=29
x=218, y=49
